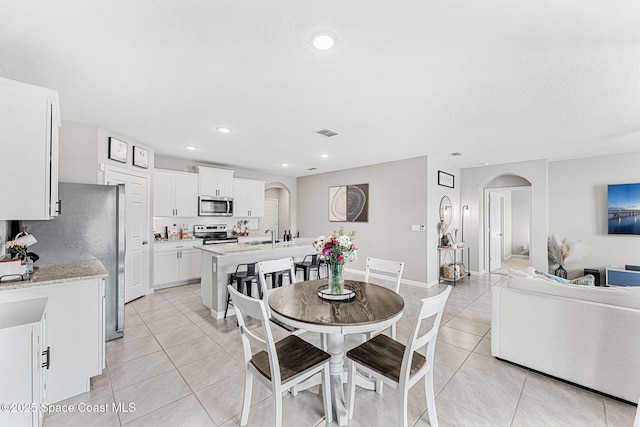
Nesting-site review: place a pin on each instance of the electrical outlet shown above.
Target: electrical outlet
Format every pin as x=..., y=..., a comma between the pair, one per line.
x=423, y=227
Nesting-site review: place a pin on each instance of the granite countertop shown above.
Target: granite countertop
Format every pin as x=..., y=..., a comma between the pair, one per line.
x=159, y=241
x=50, y=274
x=244, y=248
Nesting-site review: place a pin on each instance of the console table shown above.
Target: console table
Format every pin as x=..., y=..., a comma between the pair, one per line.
x=448, y=255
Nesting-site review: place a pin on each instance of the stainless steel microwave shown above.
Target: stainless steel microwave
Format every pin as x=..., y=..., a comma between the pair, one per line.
x=215, y=206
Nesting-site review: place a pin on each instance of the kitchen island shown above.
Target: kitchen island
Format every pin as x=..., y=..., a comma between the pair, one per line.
x=220, y=260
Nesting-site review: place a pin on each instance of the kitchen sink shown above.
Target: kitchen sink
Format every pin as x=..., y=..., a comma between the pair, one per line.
x=260, y=242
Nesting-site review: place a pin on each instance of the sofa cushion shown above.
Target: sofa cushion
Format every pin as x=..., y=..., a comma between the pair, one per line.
x=588, y=280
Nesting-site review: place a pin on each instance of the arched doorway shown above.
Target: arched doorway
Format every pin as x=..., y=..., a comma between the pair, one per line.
x=507, y=201
x=277, y=207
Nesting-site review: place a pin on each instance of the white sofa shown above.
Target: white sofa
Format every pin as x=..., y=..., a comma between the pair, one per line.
x=586, y=335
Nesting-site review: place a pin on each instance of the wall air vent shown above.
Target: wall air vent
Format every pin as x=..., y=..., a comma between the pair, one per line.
x=327, y=132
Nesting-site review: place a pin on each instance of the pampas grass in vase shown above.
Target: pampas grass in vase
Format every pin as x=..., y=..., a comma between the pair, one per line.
x=562, y=252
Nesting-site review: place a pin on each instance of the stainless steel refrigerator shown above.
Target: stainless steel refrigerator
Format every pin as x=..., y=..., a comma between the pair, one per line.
x=91, y=226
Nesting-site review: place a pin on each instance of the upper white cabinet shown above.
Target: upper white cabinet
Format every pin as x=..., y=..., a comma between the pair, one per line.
x=29, y=122
x=175, y=193
x=215, y=182
x=248, y=197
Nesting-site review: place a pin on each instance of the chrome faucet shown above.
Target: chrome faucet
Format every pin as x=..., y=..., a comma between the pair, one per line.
x=273, y=237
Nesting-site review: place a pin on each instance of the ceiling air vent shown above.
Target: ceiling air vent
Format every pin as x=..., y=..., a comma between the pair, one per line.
x=456, y=154
x=327, y=132
x=311, y=169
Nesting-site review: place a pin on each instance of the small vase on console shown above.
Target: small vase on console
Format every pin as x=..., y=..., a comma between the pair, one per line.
x=561, y=272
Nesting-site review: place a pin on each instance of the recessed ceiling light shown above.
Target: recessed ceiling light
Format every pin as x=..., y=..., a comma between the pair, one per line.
x=190, y=147
x=324, y=156
x=323, y=42
x=223, y=129
x=284, y=164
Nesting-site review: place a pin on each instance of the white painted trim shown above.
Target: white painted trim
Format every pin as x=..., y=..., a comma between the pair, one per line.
x=109, y=168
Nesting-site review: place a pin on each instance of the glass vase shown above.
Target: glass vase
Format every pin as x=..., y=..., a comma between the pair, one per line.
x=336, y=280
x=561, y=272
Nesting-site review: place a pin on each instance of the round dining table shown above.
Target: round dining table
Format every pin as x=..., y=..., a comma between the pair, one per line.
x=372, y=308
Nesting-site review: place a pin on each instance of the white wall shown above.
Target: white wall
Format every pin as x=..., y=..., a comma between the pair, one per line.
x=84, y=148
x=4, y=236
x=435, y=193
x=578, y=208
x=78, y=153
x=401, y=193
x=520, y=221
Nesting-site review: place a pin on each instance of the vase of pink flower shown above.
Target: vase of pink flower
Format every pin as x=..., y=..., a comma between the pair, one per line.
x=338, y=250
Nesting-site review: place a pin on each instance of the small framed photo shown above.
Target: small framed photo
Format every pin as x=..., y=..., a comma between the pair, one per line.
x=118, y=150
x=140, y=157
x=445, y=179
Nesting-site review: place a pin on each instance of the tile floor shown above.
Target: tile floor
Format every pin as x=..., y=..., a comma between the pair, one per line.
x=179, y=367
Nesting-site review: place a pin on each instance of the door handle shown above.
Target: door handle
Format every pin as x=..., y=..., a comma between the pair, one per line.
x=144, y=242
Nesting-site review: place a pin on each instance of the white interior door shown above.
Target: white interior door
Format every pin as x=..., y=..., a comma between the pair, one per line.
x=270, y=220
x=137, y=230
x=496, y=201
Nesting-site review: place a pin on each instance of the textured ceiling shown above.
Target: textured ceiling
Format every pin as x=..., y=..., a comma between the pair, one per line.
x=498, y=81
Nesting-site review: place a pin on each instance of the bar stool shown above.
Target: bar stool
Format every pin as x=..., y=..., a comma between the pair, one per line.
x=316, y=262
x=277, y=278
x=243, y=280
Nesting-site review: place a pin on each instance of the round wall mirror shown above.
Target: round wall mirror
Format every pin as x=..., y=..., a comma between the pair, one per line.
x=446, y=210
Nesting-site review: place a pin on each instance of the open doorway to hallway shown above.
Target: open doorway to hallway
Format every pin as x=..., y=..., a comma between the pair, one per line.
x=507, y=224
x=277, y=208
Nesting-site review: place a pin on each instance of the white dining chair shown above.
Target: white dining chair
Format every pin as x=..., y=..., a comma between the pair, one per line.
x=278, y=365
x=400, y=366
x=389, y=269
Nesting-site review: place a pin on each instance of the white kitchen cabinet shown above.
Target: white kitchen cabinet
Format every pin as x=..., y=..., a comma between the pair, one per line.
x=74, y=333
x=248, y=198
x=29, y=122
x=175, y=194
x=176, y=263
x=215, y=182
x=22, y=356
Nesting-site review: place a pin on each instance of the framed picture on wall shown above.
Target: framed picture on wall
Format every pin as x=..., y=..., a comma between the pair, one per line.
x=349, y=203
x=118, y=150
x=445, y=179
x=140, y=157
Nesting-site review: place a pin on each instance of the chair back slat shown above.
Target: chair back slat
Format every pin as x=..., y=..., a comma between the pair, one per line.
x=272, y=266
x=430, y=306
x=251, y=343
x=389, y=268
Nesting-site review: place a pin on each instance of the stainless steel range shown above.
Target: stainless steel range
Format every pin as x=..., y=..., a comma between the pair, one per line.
x=213, y=234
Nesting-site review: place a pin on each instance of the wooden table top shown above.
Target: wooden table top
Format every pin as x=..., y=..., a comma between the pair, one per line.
x=300, y=302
